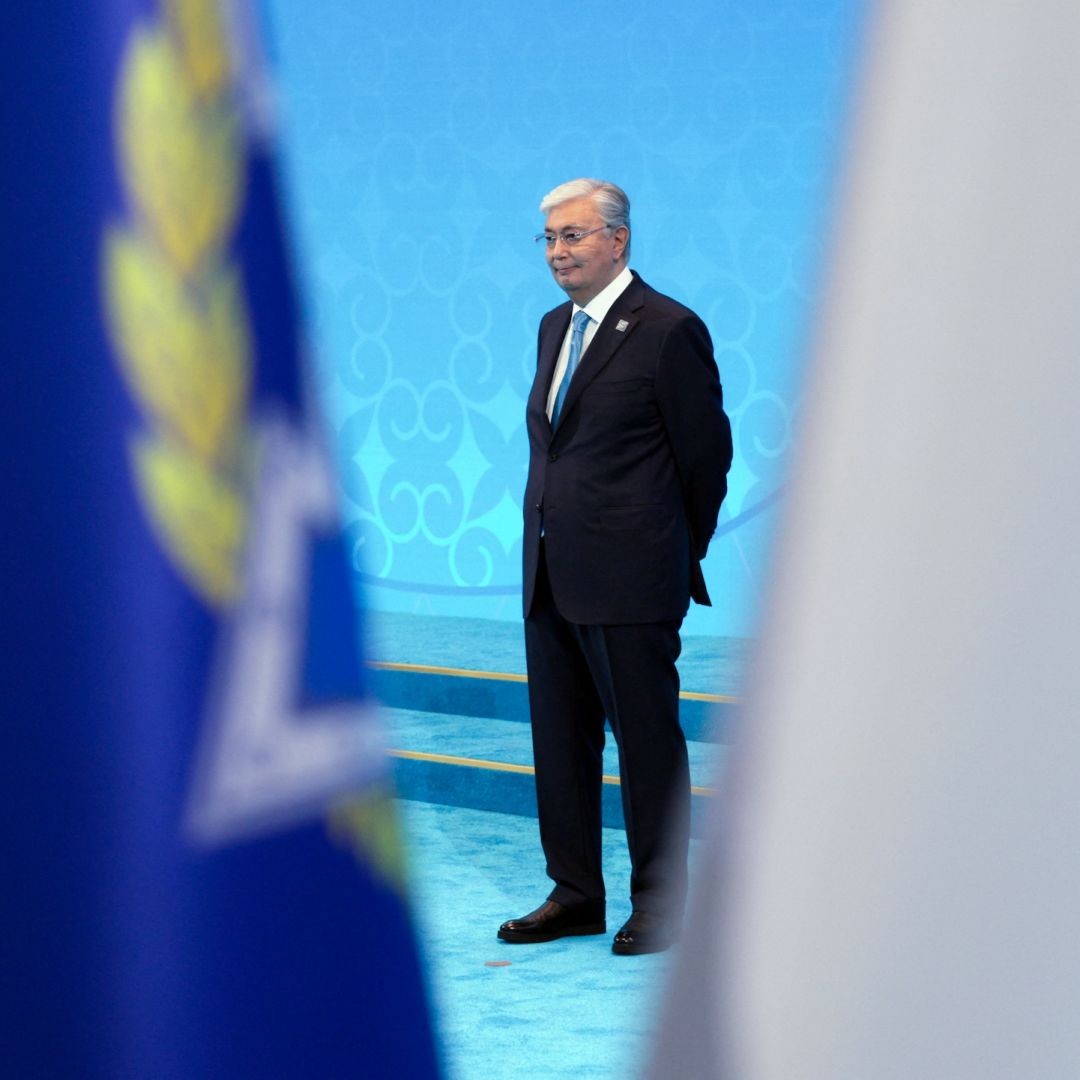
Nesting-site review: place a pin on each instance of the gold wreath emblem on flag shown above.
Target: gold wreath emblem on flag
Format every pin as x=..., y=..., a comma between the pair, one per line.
x=175, y=302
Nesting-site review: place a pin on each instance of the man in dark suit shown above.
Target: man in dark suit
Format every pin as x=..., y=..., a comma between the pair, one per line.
x=629, y=453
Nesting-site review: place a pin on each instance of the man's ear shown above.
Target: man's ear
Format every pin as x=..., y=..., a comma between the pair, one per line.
x=624, y=238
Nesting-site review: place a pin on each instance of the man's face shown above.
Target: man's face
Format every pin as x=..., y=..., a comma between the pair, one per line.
x=593, y=262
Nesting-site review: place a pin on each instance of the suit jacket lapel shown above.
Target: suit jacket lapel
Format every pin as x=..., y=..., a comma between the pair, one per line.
x=548, y=356
x=605, y=343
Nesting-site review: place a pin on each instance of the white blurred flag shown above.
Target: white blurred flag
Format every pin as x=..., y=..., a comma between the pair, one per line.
x=892, y=884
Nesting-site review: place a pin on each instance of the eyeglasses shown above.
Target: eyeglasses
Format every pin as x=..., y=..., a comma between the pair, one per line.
x=569, y=237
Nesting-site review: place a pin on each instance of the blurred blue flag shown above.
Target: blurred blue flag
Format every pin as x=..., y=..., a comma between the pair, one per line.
x=200, y=872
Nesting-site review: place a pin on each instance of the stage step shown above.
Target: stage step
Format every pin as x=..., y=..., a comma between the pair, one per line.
x=504, y=696
x=456, y=702
x=485, y=763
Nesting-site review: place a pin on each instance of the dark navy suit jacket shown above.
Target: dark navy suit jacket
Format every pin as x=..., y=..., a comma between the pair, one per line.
x=629, y=483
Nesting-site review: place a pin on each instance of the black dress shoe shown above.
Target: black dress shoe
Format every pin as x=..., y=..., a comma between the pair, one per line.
x=643, y=933
x=552, y=920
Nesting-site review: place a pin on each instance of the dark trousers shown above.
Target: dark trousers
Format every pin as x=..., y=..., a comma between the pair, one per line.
x=578, y=674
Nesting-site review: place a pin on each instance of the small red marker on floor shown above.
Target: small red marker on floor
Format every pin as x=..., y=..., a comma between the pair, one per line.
x=497, y=963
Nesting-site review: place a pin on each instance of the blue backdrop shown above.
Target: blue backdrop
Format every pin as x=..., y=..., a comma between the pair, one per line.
x=420, y=139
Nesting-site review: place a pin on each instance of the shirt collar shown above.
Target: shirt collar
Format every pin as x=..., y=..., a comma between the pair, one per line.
x=602, y=302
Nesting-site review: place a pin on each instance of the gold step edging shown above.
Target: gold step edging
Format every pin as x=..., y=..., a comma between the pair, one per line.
x=502, y=766
x=506, y=676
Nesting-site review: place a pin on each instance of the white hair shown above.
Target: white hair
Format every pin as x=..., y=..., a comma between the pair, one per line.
x=609, y=199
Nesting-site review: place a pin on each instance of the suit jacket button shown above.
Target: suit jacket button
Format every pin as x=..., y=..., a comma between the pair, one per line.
x=539, y=507
x=553, y=457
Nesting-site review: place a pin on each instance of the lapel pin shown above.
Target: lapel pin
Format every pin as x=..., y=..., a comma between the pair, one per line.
x=621, y=325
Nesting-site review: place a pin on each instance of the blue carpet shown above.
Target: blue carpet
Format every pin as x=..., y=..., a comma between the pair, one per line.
x=566, y=1008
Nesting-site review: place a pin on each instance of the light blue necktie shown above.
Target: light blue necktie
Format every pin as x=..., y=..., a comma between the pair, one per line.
x=581, y=320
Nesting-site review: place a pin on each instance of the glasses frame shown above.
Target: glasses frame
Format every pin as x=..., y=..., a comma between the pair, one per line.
x=550, y=240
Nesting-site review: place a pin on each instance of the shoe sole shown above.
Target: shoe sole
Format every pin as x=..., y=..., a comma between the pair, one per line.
x=516, y=937
x=638, y=950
